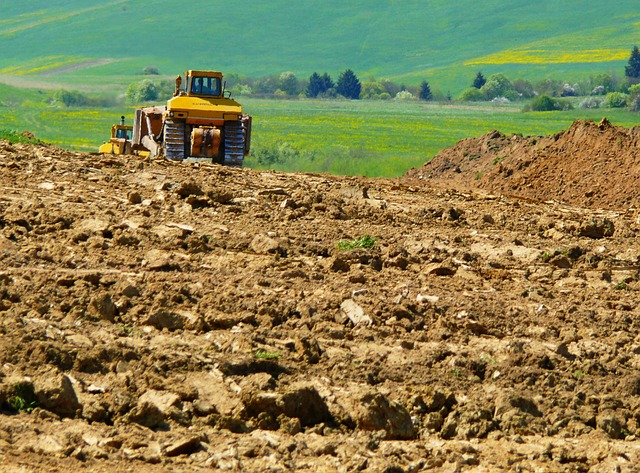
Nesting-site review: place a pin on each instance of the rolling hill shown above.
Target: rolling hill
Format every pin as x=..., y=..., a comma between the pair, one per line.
x=445, y=42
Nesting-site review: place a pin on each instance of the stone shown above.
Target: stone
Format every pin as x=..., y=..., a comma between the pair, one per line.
x=158, y=260
x=375, y=412
x=263, y=244
x=145, y=413
x=355, y=313
x=56, y=393
x=103, y=307
x=596, y=228
x=302, y=401
x=134, y=197
x=165, y=318
x=185, y=446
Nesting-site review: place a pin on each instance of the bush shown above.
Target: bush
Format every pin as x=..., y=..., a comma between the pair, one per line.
x=472, y=95
x=288, y=83
x=568, y=91
x=70, y=98
x=404, y=95
x=497, y=85
x=549, y=87
x=143, y=91
x=544, y=103
x=373, y=90
x=591, y=102
x=616, y=100
x=150, y=71
x=634, y=98
x=524, y=88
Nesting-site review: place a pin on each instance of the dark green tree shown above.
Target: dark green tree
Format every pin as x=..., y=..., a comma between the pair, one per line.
x=633, y=69
x=327, y=82
x=349, y=85
x=315, y=85
x=425, y=91
x=479, y=81
x=319, y=84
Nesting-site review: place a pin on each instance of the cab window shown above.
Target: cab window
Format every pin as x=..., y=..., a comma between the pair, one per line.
x=121, y=133
x=205, y=85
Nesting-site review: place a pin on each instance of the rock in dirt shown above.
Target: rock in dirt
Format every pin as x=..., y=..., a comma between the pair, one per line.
x=57, y=393
x=355, y=312
x=372, y=411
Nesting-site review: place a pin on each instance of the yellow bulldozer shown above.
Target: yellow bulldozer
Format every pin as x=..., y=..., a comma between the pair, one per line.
x=200, y=121
x=120, y=142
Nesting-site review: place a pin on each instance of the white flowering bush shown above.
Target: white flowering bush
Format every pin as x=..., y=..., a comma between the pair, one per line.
x=404, y=95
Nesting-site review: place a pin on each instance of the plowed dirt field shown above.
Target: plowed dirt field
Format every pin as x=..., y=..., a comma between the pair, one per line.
x=480, y=314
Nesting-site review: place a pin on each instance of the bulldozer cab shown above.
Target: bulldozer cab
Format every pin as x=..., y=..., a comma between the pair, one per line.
x=203, y=83
x=123, y=132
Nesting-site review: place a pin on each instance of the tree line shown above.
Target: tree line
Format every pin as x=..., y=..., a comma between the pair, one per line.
x=601, y=89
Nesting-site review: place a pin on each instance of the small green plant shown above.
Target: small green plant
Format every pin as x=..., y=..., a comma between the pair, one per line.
x=18, y=403
x=478, y=176
x=498, y=160
x=126, y=330
x=579, y=374
x=456, y=372
x=23, y=399
x=265, y=355
x=546, y=256
x=621, y=286
x=365, y=241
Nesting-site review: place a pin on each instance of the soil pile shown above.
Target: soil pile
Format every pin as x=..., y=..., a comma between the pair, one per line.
x=591, y=165
x=169, y=316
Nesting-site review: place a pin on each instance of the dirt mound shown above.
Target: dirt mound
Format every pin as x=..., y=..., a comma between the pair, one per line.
x=591, y=165
x=165, y=316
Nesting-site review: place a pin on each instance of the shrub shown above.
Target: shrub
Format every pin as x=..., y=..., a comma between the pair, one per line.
x=634, y=98
x=591, y=102
x=70, y=98
x=543, y=103
x=497, y=85
x=288, y=83
x=568, y=91
x=143, y=91
x=373, y=90
x=472, y=95
x=150, y=71
x=524, y=88
x=404, y=95
x=549, y=87
x=616, y=100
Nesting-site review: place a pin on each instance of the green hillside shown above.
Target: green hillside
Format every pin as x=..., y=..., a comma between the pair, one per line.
x=445, y=42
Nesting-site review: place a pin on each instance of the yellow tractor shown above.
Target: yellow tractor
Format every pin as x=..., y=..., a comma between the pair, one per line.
x=120, y=142
x=199, y=121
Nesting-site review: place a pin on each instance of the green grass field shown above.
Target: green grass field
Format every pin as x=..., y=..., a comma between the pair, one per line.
x=93, y=43
x=372, y=138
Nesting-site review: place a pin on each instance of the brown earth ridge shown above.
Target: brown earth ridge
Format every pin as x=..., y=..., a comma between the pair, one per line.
x=159, y=316
x=590, y=165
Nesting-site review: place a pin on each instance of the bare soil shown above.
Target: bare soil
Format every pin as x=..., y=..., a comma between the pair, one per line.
x=159, y=316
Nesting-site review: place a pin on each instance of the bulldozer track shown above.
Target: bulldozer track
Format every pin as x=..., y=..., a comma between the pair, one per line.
x=174, y=140
x=233, y=144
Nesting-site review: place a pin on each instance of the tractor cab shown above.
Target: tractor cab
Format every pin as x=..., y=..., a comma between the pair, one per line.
x=122, y=132
x=200, y=84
